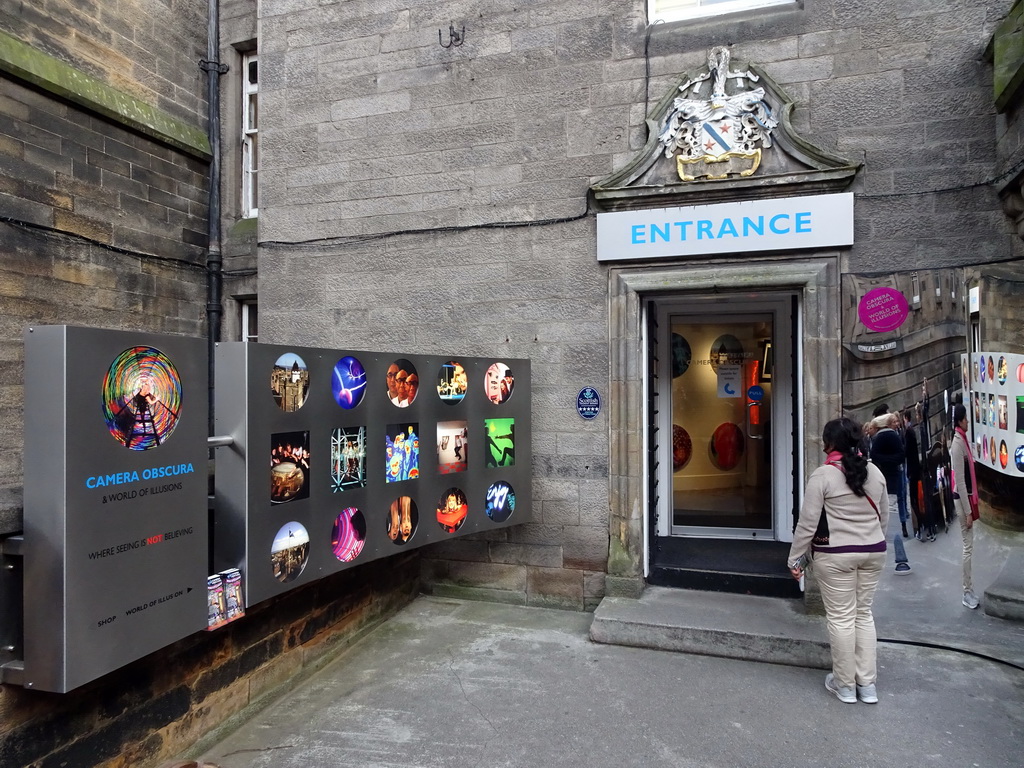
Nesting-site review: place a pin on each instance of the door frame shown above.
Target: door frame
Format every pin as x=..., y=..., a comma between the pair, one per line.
x=783, y=306
x=813, y=277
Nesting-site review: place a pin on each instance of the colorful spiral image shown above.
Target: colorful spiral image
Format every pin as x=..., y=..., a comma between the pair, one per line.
x=349, y=535
x=141, y=398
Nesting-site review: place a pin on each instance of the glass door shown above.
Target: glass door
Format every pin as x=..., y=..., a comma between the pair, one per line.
x=721, y=383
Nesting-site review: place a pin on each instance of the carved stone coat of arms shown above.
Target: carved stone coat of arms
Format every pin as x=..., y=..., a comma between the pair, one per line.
x=722, y=135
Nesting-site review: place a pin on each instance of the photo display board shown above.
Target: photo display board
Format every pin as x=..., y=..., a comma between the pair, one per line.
x=343, y=457
x=116, y=523
x=994, y=397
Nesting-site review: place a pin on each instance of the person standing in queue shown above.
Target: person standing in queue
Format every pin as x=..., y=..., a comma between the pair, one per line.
x=965, y=495
x=842, y=528
x=888, y=454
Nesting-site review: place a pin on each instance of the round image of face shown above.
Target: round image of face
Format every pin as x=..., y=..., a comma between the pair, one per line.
x=403, y=383
x=1002, y=370
x=991, y=369
x=289, y=382
x=451, y=510
x=289, y=552
x=349, y=534
x=501, y=501
x=141, y=398
x=681, y=355
x=1004, y=454
x=992, y=449
x=498, y=383
x=726, y=349
x=402, y=520
x=348, y=383
x=726, y=447
x=452, y=383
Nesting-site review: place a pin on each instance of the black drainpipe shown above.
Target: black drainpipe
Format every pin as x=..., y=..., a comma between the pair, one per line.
x=214, y=259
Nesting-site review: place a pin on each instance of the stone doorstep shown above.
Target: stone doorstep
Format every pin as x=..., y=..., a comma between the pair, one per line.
x=714, y=624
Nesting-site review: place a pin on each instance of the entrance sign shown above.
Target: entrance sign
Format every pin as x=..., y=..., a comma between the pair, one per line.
x=814, y=221
x=116, y=535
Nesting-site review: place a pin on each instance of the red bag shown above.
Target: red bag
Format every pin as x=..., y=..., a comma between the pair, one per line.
x=975, y=514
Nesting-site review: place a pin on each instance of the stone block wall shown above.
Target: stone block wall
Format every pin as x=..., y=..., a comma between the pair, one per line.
x=165, y=704
x=150, y=49
x=101, y=226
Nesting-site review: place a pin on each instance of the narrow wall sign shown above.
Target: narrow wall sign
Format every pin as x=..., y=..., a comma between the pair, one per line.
x=116, y=522
x=588, y=403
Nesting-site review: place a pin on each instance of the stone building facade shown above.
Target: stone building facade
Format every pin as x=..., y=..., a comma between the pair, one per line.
x=423, y=193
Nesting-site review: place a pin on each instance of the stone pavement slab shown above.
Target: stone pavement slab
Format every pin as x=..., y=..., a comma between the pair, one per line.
x=456, y=683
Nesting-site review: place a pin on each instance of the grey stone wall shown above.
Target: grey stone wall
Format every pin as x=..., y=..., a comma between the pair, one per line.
x=392, y=167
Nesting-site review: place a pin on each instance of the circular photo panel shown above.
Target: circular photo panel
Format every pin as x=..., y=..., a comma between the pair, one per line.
x=349, y=534
x=141, y=398
x=682, y=448
x=991, y=368
x=981, y=368
x=1020, y=373
x=402, y=519
x=452, y=383
x=975, y=370
x=992, y=450
x=726, y=349
x=403, y=383
x=1004, y=454
x=289, y=552
x=726, y=447
x=289, y=382
x=498, y=383
x=681, y=355
x=1002, y=370
x=451, y=510
x=501, y=501
x=348, y=382
x=1018, y=457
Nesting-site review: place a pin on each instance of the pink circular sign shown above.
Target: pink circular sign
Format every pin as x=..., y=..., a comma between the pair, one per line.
x=883, y=309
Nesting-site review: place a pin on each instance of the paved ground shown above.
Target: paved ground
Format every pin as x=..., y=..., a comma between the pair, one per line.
x=454, y=683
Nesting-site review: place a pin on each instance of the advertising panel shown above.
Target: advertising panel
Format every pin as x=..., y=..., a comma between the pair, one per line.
x=116, y=536
x=994, y=398
x=341, y=457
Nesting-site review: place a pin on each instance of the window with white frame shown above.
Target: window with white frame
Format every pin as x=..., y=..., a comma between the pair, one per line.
x=250, y=126
x=250, y=330
x=676, y=10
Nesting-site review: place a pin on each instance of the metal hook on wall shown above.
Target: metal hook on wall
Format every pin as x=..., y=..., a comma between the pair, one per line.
x=454, y=38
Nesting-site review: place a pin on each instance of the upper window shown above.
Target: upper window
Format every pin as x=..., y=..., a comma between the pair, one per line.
x=250, y=125
x=674, y=10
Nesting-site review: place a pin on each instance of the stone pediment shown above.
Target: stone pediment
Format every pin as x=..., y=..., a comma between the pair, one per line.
x=716, y=138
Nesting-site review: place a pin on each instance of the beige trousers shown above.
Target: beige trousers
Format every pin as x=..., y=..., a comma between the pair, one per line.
x=848, y=583
x=963, y=513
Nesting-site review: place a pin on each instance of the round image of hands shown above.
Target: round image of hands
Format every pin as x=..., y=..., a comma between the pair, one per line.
x=403, y=383
x=498, y=383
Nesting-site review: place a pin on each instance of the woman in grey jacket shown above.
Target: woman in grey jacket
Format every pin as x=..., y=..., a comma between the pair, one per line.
x=842, y=527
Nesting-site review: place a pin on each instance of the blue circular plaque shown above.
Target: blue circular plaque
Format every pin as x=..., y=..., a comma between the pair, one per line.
x=755, y=393
x=588, y=403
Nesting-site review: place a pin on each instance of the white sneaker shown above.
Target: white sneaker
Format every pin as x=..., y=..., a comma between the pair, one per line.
x=867, y=693
x=970, y=600
x=844, y=693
